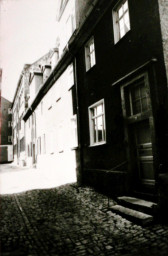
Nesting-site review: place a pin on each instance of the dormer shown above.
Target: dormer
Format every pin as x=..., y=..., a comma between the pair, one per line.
x=54, y=58
x=46, y=72
x=35, y=84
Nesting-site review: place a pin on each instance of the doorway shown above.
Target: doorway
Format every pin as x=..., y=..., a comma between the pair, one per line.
x=137, y=112
x=142, y=155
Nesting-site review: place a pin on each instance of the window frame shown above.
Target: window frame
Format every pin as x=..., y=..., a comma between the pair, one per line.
x=88, y=54
x=116, y=18
x=125, y=96
x=91, y=127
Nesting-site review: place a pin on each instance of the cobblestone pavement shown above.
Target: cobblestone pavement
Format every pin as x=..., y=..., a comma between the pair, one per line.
x=68, y=220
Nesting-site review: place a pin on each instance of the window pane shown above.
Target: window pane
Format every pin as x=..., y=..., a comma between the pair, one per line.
x=94, y=130
x=122, y=31
x=94, y=112
x=144, y=104
x=135, y=93
x=120, y=12
x=143, y=91
x=91, y=47
x=90, y=54
x=92, y=59
x=127, y=22
x=136, y=107
x=100, y=128
x=99, y=109
x=125, y=6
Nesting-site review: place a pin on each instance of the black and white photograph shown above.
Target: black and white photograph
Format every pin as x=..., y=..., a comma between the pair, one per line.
x=83, y=127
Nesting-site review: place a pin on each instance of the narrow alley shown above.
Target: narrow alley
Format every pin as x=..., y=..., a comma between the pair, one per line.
x=69, y=220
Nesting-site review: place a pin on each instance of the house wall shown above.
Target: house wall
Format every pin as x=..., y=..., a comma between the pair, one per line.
x=66, y=25
x=5, y=130
x=114, y=61
x=54, y=139
x=6, y=117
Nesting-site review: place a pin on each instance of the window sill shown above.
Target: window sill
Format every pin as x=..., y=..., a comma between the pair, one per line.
x=98, y=144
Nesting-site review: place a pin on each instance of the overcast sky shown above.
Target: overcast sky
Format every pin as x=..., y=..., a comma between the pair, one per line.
x=28, y=30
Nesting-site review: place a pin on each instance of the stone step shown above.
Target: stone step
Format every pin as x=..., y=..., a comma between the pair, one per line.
x=138, y=204
x=133, y=215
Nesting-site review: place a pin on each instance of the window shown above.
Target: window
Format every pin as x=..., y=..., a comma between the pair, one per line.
x=90, y=54
x=44, y=144
x=9, y=111
x=28, y=150
x=9, y=138
x=97, y=123
x=9, y=123
x=41, y=107
x=137, y=96
x=39, y=145
x=121, y=20
x=74, y=131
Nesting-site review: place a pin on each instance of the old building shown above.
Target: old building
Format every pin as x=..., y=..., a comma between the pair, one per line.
x=123, y=96
x=103, y=108
x=6, y=148
x=23, y=95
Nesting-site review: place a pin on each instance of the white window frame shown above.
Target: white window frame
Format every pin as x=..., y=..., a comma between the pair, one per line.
x=90, y=56
x=91, y=127
x=117, y=19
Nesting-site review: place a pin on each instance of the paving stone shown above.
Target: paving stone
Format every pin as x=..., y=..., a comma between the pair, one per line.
x=73, y=221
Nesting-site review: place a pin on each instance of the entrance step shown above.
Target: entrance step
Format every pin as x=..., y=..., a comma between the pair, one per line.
x=133, y=215
x=138, y=204
x=136, y=209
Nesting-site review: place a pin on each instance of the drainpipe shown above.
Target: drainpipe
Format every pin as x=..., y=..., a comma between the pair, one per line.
x=79, y=151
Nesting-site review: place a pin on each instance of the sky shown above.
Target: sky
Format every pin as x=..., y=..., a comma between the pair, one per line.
x=28, y=30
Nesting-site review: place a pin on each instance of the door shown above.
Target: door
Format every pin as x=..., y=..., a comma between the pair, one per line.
x=143, y=152
x=136, y=106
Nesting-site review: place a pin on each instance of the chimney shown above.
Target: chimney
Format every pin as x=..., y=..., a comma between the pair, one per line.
x=54, y=58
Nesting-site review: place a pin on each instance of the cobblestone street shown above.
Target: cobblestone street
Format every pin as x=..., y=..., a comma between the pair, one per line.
x=68, y=220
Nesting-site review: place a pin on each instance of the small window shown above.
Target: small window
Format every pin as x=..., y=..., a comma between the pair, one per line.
x=10, y=124
x=9, y=139
x=39, y=145
x=41, y=104
x=90, y=58
x=137, y=96
x=28, y=151
x=44, y=144
x=9, y=111
x=97, y=123
x=121, y=20
x=74, y=131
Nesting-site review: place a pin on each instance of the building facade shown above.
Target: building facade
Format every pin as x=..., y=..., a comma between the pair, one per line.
x=24, y=95
x=101, y=113
x=123, y=98
x=6, y=148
